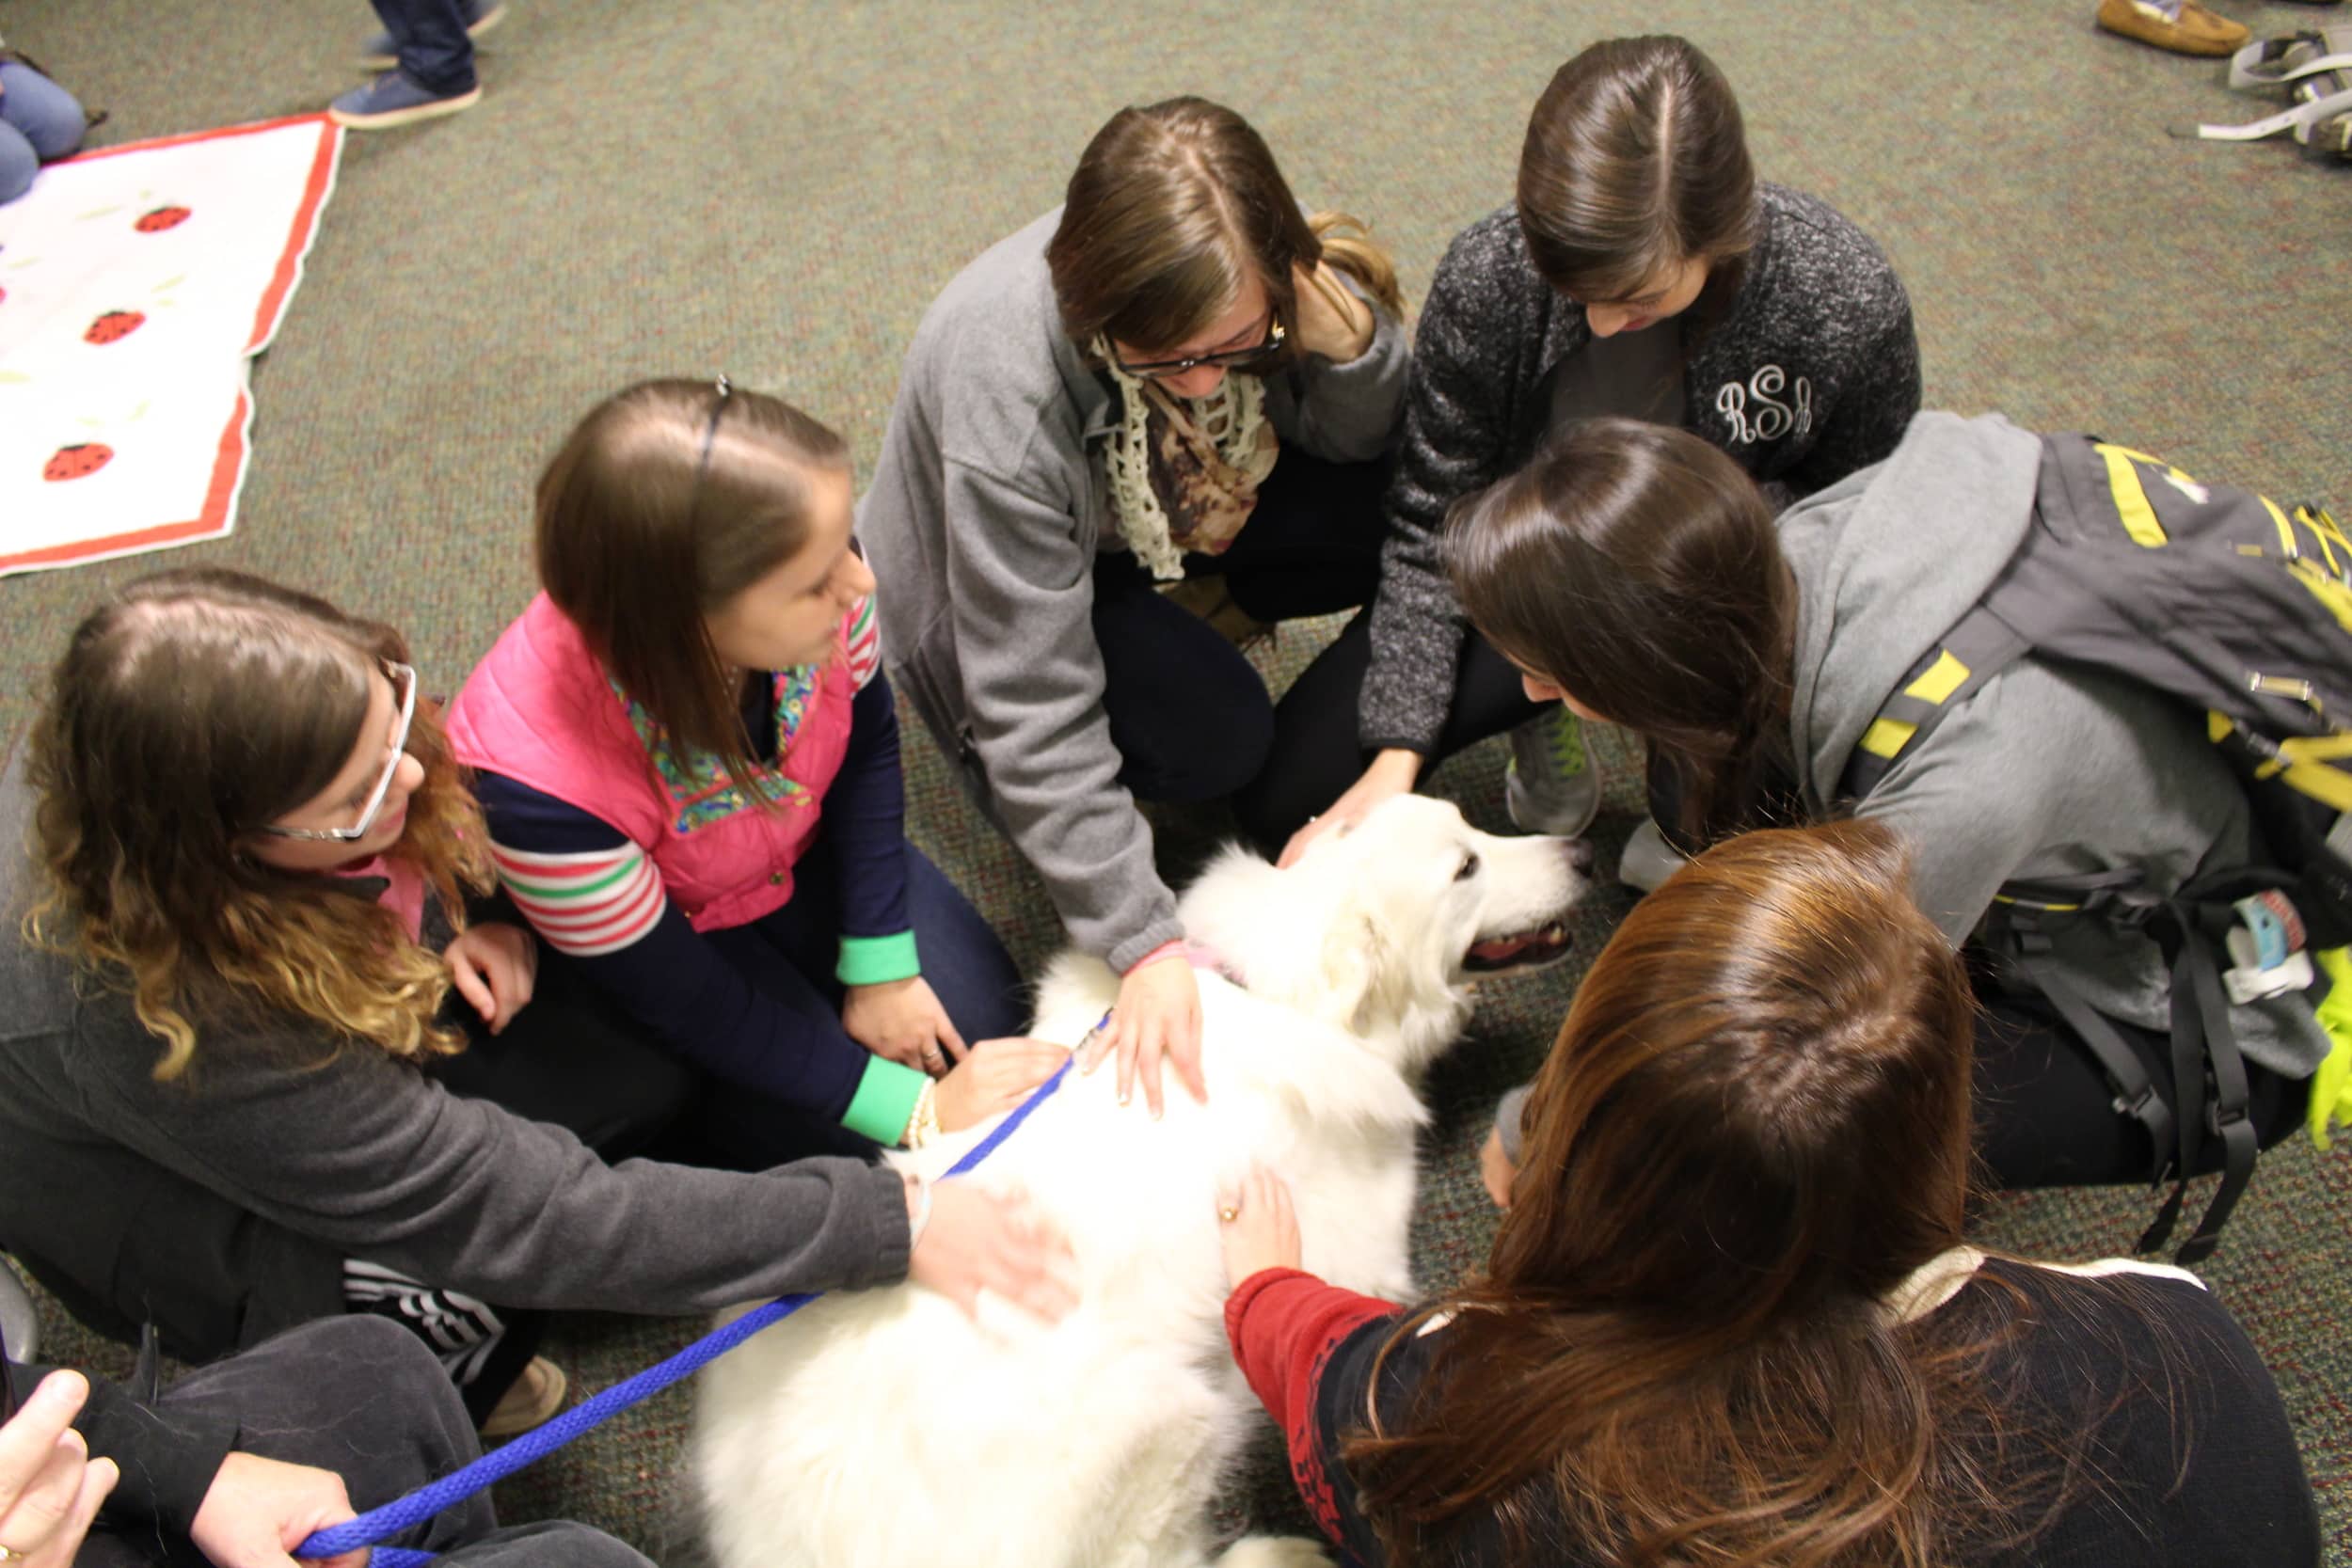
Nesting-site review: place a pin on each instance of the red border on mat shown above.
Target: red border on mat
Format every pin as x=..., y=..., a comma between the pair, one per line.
x=220, y=496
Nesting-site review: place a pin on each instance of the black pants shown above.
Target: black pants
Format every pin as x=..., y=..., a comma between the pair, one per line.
x=2045, y=1114
x=1189, y=714
x=2046, y=1117
x=1316, y=754
x=367, y=1401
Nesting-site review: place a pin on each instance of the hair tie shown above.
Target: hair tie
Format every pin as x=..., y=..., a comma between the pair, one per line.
x=710, y=430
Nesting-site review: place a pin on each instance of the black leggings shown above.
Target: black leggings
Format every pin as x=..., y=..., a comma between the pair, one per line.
x=1188, y=712
x=1316, y=754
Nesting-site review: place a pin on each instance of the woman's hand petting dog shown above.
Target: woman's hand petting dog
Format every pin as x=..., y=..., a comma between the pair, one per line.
x=975, y=1241
x=1496, y=1169
x=1258, y=1226
x=1157, y=1014
x=1390, y=772
x=902, y=1021
x=993, y=1077
x=494, y=965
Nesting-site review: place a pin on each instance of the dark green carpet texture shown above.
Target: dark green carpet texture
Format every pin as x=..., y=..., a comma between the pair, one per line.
x=777, y=190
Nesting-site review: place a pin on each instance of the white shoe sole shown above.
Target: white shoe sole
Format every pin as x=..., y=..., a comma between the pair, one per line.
x=433, y=110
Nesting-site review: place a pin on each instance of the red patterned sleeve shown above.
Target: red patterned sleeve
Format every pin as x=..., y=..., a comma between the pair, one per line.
x=1284, y=1325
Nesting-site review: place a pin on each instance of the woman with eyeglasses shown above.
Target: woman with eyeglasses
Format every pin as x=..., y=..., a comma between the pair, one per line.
x=690, y=775
x=1175, y=380
x=1731, y=1316
x=228, y=1046
x=1643, y=272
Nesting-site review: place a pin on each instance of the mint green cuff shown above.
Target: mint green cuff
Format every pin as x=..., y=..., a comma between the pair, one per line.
x=885, y=1102
x=871, y=961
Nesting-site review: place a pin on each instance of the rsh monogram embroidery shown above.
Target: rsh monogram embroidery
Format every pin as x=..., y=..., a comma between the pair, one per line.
x=1757, y=412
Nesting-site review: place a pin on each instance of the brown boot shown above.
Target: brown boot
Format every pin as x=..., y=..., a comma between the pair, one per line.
x=532, y=1400
x=2197, y=31
x=1208, y=599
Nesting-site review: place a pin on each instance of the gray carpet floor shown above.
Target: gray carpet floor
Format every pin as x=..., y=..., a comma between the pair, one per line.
x=777, y=190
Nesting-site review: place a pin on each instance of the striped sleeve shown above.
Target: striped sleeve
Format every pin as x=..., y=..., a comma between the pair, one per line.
x=863, y=632
x=587, y=903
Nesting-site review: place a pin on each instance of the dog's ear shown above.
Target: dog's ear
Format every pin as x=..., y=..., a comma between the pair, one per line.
x=1380, y=962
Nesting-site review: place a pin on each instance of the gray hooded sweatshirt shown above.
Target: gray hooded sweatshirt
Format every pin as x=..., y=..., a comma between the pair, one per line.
x=2040, y=772
x=983, y=521
x=2043, y=773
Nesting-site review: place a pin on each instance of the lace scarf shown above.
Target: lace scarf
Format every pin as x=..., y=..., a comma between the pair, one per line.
x=1184, y=473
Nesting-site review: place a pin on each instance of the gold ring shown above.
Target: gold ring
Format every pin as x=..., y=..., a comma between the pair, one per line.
x=9, y=1554
x=1229, y=1215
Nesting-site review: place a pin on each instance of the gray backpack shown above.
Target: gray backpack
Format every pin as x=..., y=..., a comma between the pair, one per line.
x=2242, y=610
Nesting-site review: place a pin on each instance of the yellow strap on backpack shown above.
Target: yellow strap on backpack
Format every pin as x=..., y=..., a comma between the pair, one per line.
x=2332, y=1086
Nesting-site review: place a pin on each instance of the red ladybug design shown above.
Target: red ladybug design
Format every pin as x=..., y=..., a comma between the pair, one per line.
x=77, y=461
x=160, y=219
x=113, y=327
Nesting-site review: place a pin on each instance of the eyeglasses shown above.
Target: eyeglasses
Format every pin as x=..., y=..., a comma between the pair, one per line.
x=405, y=677
x=1230, y=359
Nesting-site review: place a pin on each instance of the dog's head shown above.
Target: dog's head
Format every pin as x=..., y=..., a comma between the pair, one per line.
x=1378, y=928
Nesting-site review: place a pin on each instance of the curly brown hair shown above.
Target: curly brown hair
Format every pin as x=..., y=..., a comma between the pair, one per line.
x=187, y=712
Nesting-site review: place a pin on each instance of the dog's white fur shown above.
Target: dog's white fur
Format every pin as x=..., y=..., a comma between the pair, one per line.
x=883, y=1429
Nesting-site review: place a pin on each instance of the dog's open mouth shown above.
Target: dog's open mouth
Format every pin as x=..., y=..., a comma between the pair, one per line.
x=1538, y=946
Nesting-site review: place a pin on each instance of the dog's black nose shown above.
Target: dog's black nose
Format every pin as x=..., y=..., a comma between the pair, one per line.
x=1582, y=855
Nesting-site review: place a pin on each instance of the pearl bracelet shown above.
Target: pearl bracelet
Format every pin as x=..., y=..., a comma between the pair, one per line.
x=923, y=1121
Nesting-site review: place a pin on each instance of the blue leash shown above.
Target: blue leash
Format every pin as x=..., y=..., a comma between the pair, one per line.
x=404, y=1514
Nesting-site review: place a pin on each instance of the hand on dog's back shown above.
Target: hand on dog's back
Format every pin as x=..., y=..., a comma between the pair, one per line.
x=978, y=1241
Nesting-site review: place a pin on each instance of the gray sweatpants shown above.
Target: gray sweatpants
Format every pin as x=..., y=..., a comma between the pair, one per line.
x=367, y=1400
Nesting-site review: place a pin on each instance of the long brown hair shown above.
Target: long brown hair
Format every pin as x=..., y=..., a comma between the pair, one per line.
x=1171, y=207
x=1635, y=161
x=188, y=711
x=665, y=503
x=1637, y=567
x=1754, y=1125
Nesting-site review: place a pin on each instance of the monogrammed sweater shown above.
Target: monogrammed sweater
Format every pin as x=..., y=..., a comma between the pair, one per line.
x=1813, y=373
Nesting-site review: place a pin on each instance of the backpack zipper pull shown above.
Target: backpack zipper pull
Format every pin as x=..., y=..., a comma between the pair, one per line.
x=2287, y=686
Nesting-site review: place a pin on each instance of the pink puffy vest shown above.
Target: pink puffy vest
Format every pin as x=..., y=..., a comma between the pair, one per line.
x=540, y=709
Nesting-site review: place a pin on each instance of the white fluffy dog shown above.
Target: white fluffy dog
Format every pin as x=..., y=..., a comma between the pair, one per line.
x=884, y=1428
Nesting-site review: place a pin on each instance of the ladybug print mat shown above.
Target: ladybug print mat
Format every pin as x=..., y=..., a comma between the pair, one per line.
x=136, y=284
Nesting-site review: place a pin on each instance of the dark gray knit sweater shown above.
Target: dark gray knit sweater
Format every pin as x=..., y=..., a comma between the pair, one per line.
x=1813, y=373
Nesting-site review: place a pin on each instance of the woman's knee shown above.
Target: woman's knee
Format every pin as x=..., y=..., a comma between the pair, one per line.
x=48, y=117
x=19, y=162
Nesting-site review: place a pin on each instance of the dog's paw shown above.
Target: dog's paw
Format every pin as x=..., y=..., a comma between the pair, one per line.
x=1274, y=1551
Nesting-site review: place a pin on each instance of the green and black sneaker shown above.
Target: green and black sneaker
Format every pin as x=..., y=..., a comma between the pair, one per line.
x=1551, y=785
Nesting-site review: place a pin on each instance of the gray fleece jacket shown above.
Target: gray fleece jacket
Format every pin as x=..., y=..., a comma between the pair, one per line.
x=2040, y=772
x=1811, y=374
x=983, y=524
x=106, y=1175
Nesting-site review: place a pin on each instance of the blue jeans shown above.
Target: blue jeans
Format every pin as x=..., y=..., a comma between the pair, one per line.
x=430, y=37
x=39, y=121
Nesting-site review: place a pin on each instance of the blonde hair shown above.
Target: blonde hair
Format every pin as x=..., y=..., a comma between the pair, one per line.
x=189, y=711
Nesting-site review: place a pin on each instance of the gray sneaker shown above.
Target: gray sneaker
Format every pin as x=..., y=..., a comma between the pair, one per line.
x=1551, y=785
x=1649, y=859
